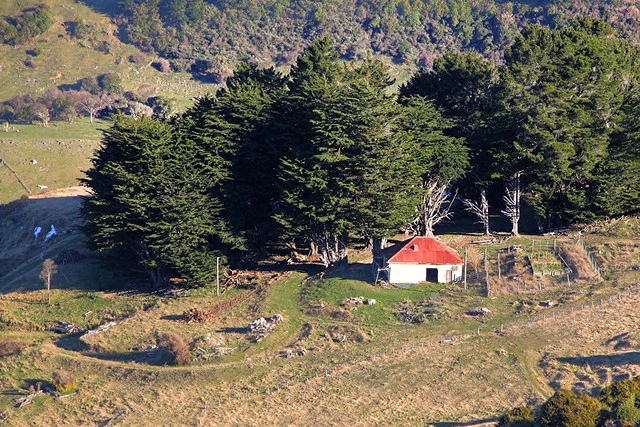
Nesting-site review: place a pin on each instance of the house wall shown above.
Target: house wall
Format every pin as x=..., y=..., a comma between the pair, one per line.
x=416, y=273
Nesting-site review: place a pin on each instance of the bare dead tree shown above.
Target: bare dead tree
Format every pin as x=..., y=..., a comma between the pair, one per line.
x=479, y=209
x=90, y=103
x=49, y=268
x=512, y=203
x=331, y=248
x=138, y=109
x=434, y=207
x=42, y=112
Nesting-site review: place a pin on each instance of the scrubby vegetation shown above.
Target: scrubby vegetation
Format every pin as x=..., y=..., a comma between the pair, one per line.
x=211, y=38
x=175, y=347
x=30, y=23
x=617, y=404
x=93, y=97
x=63, y=382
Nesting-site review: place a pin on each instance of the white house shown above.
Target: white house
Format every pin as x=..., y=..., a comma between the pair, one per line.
x=421, y=259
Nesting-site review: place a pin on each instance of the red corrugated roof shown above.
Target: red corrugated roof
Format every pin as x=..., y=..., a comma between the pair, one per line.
x=425, y=250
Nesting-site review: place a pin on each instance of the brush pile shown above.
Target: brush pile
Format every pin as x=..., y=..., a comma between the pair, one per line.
x=264, y=326
x=65, y=327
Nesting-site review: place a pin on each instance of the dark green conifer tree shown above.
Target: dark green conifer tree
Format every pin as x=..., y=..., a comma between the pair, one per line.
x=151, y=206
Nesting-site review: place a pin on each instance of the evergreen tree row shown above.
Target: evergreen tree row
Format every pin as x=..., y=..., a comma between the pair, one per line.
x=329, y=152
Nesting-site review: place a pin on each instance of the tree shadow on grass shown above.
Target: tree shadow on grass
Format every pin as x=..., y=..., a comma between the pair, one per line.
x=45, y=385
x=173, y=317
x=72, y=342
x=461, y=424
x=628, y=358
x=234, y=330
x=110, y=8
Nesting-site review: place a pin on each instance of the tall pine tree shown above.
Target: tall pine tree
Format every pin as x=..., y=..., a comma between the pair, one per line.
x=150, y=208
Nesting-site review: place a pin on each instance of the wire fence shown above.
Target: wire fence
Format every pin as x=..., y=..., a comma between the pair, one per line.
x=520, y=268
x=590, y=256
x=3, y=162
x=550, y=313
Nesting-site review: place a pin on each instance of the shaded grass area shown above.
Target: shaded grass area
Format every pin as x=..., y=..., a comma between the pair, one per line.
x=30, y=311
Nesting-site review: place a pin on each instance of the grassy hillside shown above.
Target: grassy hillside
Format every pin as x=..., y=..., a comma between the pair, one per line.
x=61, y=153
x=64, y=60
x=351, y=364
x=63, y=150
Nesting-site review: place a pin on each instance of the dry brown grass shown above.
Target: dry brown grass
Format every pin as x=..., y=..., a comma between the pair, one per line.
x=176, y=347
x=576, y=259
x=391, y=377
x=11, y=346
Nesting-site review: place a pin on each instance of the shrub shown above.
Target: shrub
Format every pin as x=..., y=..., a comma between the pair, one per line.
x=63, y=382
x=622, y=398
x=177, y=348
x=137, y=58
x=566, y=409
x=30, y=63
x=36, y=51
x=109, y=82
x=620, y=391
x=162, y=65
x=522, y=416
x=627, y=413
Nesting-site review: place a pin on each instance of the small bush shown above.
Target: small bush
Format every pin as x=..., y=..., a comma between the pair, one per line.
x=177, y=348
x=566, y=409
x=162, y=65
x=622, y=400
x=627, y=413
x=9, y=346
x=137, y=58
x=36, y=51
x=522, y=416
x=63, y=382
x=29, y=63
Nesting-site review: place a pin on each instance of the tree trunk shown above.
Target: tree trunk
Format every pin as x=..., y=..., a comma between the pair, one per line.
x=428, y=227
x=159, y=277
x=434, y=207
x=512, y=203
x=313, y=249
x=484, y=204
x=378, y=245
x=333, y=251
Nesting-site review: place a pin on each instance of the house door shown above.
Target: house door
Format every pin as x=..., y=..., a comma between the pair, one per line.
x=449, y=276
x=432, y=275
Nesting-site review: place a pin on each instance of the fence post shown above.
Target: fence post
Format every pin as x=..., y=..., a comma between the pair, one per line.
x=486, y=273
x=465, y=268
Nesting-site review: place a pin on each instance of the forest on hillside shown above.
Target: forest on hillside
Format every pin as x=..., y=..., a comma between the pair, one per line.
x=209, y=37
x=329, y=153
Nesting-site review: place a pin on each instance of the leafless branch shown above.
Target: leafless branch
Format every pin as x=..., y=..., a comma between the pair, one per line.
x=479, y=209
x=434, y=207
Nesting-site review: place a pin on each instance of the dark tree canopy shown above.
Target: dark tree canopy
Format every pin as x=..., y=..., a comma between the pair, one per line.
x=151, y=205
x=329, y=153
